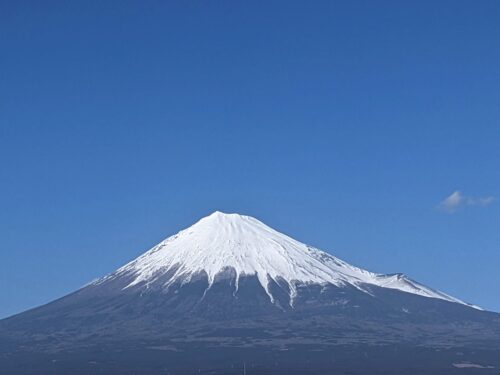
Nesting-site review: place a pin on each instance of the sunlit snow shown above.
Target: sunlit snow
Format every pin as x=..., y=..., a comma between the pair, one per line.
x=250, y=247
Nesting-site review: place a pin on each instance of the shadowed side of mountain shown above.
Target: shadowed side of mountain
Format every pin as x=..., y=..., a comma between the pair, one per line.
x=229, y=290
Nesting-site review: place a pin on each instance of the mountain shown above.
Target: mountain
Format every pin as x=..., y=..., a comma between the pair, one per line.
x=228, y=291
x=239, y=246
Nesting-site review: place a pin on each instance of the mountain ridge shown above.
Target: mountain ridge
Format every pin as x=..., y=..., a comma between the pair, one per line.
x=160, y=315
x=224, y=241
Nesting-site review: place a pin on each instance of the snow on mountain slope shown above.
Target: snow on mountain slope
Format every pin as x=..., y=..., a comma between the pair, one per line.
x=250, y=247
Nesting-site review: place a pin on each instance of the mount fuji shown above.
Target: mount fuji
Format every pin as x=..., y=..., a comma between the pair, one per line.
x=236, y=246
x=228, y=291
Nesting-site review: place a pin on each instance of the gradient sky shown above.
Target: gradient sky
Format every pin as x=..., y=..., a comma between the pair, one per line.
x=344, y=124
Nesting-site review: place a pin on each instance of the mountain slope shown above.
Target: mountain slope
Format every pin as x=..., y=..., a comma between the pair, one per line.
x=249, y=247
x=229, y=290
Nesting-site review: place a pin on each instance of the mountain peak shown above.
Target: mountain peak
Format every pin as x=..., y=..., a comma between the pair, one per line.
x=223, y=217
x=220, y=214
x=245, y=245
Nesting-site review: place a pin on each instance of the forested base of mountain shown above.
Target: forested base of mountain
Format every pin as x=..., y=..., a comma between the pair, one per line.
x=296, y=359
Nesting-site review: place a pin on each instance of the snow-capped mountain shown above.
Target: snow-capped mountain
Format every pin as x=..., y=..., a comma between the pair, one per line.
x=243, y=244
x=230, y=290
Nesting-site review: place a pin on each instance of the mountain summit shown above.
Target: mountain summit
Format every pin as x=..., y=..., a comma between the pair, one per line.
x=244, y=246
x=230, y=290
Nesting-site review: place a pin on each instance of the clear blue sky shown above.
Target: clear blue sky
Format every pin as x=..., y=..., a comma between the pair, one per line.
x=343, y=124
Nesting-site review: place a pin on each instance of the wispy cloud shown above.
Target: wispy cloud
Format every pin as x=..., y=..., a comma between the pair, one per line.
x=457, y=200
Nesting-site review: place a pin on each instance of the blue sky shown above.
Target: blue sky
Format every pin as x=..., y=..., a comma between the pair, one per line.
x=344, y=124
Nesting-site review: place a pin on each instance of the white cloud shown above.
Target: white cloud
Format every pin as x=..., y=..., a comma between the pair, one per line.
x=457, y=200
x=452, y=202
x=486, y=201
